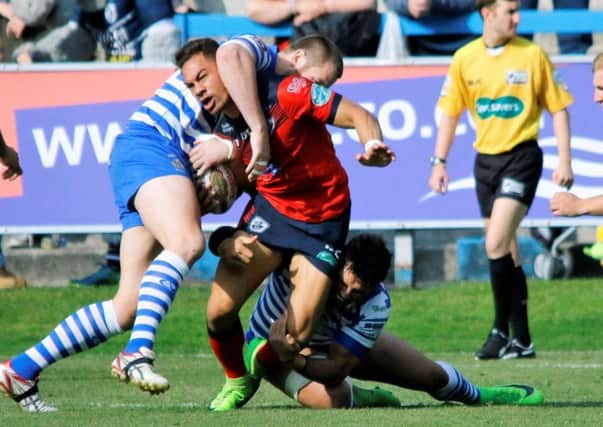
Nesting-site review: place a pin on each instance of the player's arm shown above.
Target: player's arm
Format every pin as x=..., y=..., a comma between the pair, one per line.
x=563, y=174
x=568, y=204
x=333, y=369
x=350, y=115
x=237, y=68
x=445, y=136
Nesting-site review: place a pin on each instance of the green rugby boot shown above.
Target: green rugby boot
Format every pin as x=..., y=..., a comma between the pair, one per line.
x=511, y=394
x=374, y=398
x=235, y=393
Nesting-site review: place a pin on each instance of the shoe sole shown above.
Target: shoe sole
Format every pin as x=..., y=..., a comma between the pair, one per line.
x=143, y=385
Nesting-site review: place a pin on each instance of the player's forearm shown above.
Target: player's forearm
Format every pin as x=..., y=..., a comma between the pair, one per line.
x=445, y=135
x=238, y=73
x=350, y=115
x=591, y=206
x=561, y=127
x=326, y=371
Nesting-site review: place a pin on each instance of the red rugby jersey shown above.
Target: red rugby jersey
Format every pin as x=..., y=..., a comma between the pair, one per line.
x=304, y=180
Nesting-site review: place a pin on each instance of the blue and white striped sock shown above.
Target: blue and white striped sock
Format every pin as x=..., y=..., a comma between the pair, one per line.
x=157, y=292
x=458, y=389
x=84, y=329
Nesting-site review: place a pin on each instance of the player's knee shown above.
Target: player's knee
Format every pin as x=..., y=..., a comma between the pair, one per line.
x=221, y=314
x=190, y=248
x=495, y=247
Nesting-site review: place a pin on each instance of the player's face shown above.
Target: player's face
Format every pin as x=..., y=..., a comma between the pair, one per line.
x=201, y=76
x=349, y=287
x=324, y=74
x=598, y=84
x=504, y=18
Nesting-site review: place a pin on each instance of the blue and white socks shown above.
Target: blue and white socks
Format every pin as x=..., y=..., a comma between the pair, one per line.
x=157, y=292
x=84, y=329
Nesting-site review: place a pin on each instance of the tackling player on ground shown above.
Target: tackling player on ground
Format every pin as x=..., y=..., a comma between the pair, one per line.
x=349, y=340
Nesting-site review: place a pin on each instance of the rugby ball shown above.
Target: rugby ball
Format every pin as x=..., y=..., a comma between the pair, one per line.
x=218, y=188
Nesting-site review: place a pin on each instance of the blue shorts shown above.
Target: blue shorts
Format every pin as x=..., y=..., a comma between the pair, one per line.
x=320, y=242
x=139, y=156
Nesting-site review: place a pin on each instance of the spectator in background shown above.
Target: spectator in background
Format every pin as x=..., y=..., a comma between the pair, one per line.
x=140, y=30
x=29, y=22
x=354, y=25
x=577, y=43
x=433, y=45
x=10, y=159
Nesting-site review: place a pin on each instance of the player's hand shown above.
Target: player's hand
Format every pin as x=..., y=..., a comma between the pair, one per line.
x=237, y=250
x=282, y=343
x=11, y=161
x=260, y=155
x=376, y=154
x=438, y=182
x=563, y=176
x=208, y=152
x=565, y=204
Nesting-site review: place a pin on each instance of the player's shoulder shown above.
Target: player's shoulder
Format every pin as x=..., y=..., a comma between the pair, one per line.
x=378, y=303
x=296, y=86
x=527, y=47
x=469, y=49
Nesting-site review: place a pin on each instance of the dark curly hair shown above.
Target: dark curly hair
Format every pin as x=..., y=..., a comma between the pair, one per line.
x=369, y=258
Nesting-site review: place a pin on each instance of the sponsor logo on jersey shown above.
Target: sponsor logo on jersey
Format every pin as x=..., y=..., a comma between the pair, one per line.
x=296, y=85
x=517, y=77
x=505, y=107
x=327, y=257
x=513, y=187
x=320, y=95
x=378, y=308
x=176, y=163
x=258, y=225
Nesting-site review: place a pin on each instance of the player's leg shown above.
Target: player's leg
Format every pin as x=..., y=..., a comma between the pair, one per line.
x=313, y=394
x=310, y=289
x=392, y=360
x=84, y=329
x=169, y=209
x=232, y=286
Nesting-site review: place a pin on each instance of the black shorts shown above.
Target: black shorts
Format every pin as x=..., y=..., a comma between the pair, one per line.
x=514, y=174
x=320, y=242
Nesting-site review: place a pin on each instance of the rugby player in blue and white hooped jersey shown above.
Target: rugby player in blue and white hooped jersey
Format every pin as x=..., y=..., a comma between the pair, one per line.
x=159, y=211
x=349, y=340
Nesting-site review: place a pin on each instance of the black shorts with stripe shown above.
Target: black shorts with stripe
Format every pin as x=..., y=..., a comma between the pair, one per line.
x=514, y=174
x=321, y=242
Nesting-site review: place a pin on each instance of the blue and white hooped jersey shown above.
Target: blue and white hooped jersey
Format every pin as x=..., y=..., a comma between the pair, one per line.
x=356, y=327
x=175, y=113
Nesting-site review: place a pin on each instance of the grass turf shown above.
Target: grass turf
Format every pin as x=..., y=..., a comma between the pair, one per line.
x=447, y=322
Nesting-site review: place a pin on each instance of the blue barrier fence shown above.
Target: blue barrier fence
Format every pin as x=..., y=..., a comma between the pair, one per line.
x=532, y=21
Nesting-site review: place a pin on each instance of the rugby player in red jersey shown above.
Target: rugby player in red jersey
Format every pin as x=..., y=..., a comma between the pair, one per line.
x=300, y=213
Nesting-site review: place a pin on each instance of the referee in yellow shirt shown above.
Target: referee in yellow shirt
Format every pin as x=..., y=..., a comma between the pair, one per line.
x=505, y=81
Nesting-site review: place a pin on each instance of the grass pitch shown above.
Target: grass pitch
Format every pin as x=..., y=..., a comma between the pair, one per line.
x=447, y=322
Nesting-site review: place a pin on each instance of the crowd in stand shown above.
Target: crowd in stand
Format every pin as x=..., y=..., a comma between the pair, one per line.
x=132, y=30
